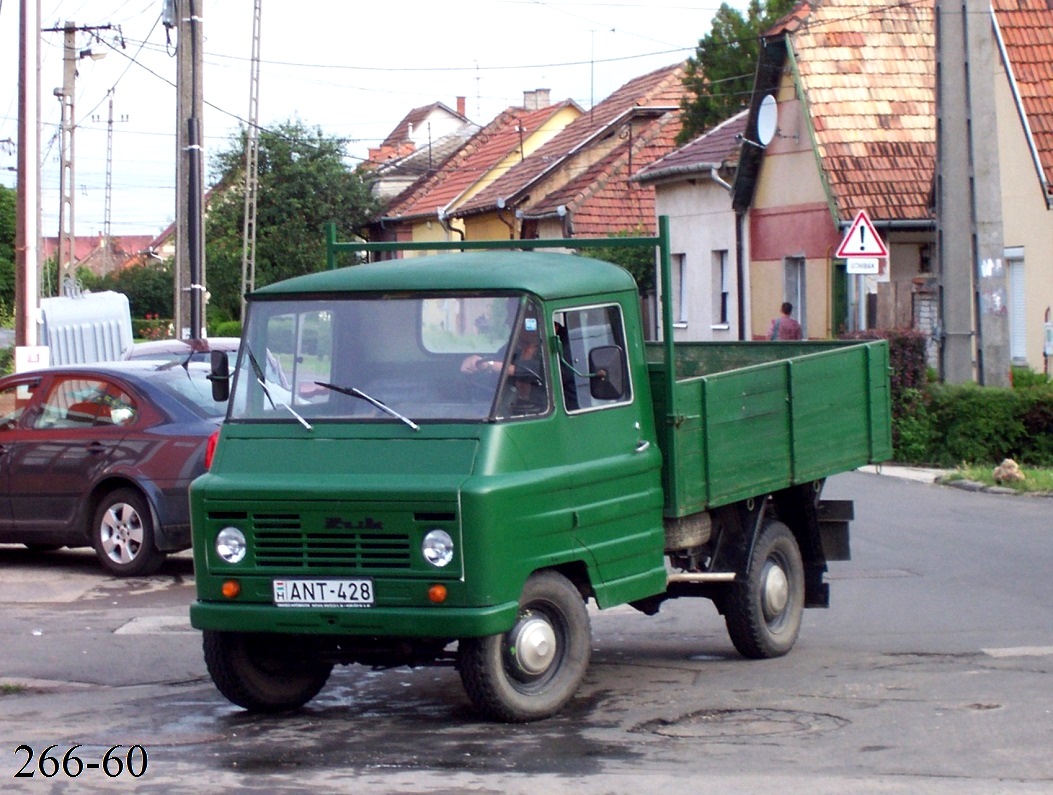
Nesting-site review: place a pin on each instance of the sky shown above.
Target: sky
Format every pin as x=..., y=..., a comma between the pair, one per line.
x=353, y=69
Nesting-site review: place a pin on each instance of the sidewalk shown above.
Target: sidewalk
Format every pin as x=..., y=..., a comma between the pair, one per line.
x=920, y=474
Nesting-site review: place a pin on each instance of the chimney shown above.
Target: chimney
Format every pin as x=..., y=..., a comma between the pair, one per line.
x=460, y=106
x=536, y=99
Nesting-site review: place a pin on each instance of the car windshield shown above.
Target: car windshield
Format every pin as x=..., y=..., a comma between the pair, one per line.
x=445, y=357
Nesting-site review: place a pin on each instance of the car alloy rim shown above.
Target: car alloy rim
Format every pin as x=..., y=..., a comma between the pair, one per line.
x=121, y=532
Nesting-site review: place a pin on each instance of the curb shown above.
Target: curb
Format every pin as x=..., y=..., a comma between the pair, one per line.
x=939, y=477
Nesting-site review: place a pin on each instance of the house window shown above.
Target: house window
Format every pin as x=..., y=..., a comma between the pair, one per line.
x=721, y=295
x=680, y=290
x=1017, y=305
x=794, y=290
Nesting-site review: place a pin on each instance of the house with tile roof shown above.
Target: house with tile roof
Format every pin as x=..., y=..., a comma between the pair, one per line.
x=419, y=143
x=692, y=187
x=580, y=182
x=854, y=83
x=854, y=130
x=426, y=210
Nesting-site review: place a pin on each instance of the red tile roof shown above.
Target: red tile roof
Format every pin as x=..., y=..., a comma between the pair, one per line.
x=718, y=147
x=1026, y=31
x=867, y=68
x=662, y=88
x=412, y=121
x=485, y=150
x=603, y=199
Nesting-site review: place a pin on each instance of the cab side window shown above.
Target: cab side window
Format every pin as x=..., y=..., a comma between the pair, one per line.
x=594, y=370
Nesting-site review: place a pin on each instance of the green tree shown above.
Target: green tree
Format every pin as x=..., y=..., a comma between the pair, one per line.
x=304, y=182
x=640, y=262
x=7, y=251
x=720, y=75
x=148, y=287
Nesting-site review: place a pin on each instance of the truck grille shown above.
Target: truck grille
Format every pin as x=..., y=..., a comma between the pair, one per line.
x=283, y=542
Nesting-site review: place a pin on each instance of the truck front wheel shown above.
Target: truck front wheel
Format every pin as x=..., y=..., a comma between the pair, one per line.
x=531, y=671
x=252, y=672
x=765, y=603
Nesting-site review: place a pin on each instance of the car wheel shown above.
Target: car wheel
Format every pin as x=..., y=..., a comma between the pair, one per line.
x=123, y=535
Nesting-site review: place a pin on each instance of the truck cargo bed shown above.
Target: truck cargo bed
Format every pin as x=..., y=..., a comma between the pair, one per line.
x=749, y=418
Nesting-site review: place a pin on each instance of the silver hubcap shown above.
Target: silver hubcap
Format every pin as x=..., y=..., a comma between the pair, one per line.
x=533, y=645
x=121, y=533
x=776, y=590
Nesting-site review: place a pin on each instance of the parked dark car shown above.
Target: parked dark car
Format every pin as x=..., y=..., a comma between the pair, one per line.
x=102, y=455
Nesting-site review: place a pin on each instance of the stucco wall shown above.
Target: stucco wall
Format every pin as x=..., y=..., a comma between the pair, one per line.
x=701, y=222
x=1027, y=223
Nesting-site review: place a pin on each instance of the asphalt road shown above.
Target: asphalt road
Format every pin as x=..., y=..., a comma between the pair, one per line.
x=931, y=672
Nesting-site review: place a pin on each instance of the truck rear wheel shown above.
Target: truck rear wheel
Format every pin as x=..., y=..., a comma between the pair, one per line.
x=531, y=671
x=765, y=604
x=252, y=672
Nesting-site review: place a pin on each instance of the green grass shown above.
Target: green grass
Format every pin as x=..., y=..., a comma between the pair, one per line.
x=1036, y=481
x=7, y=689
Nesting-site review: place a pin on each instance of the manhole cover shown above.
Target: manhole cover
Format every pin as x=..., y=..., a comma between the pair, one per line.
x=724, y=724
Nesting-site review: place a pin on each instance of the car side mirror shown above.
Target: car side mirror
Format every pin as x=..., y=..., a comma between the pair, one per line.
x=220, y=375
x=606, y=373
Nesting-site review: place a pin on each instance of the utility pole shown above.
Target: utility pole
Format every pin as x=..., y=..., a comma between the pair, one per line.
x=27, y=197
x=108, y=208
x=973, y=294
x=190, y=249
x=67, y=185
x=252, y=151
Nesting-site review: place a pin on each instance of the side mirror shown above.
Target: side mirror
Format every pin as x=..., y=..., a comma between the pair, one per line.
x=220, y=375
x=606, y=373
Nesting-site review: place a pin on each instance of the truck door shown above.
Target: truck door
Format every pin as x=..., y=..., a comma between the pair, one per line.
x=616, y=491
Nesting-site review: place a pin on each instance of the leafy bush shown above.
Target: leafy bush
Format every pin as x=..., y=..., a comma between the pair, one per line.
x=976, y=424
x=947, y=425
x=1025, y=378
x=152, y=327
x=228, y=328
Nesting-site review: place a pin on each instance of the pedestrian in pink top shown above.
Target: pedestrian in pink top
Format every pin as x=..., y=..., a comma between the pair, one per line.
x=785, y=327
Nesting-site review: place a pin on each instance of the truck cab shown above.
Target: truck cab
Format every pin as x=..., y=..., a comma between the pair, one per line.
x=450, y=427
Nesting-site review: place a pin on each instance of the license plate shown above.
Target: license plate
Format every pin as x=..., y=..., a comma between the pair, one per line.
x=323, y=593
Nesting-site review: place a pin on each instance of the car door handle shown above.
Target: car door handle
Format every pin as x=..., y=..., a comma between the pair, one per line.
x=96, y=447
x=642, y=446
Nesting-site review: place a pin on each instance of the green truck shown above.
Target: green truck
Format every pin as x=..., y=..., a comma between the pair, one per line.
x=442, y=459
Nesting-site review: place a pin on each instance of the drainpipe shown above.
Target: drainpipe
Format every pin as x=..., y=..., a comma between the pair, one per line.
x=444, y=222
x=501, y=217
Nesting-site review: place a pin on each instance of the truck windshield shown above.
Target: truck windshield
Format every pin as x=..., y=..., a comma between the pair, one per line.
x=392, y=359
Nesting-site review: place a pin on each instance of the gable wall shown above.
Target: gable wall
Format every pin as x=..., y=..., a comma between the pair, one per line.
x=1026, y=222
x=790, y=217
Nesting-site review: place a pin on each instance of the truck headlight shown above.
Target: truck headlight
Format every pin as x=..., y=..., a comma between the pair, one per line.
x=230, y=545
x=437, y=548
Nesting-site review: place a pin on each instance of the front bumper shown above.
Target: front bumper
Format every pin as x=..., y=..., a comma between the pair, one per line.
x=400, y=622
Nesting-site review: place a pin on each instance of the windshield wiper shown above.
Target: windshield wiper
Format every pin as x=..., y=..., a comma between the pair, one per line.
x=358, y=393
x=261, y=379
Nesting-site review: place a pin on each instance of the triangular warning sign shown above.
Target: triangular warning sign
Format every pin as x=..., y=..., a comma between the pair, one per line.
x=862, y=240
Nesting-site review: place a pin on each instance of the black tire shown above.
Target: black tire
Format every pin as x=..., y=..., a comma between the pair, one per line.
x=765, y=604
x=42, y=547
x=252, y=672
x=509, y=680
x=122, y=533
